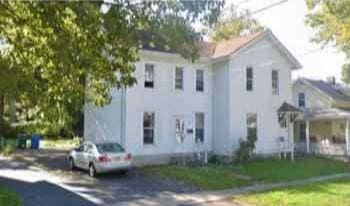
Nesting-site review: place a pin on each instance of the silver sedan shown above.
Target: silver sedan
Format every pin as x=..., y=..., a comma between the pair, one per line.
x=100, y=158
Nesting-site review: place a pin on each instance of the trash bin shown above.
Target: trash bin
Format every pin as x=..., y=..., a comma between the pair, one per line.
x=21, y=141
x=35, y=141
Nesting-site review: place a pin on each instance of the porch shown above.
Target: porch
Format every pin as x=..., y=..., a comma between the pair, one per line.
x=323, y=131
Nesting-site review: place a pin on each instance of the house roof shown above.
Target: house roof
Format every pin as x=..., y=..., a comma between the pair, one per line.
x=332, y=90
x=286, y=107
x=326, y=113
x=214, y=51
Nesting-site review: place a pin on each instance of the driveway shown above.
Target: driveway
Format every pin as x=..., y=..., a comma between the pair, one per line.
x=41, y=178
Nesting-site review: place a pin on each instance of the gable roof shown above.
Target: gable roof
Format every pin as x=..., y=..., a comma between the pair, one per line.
x=333, y=91
x=288, y=108
x=229, y=47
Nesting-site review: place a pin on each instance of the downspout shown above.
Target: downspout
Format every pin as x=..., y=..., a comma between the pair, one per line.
x=122, y=117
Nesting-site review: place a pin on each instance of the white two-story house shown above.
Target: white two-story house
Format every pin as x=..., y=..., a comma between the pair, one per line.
x=179, y=107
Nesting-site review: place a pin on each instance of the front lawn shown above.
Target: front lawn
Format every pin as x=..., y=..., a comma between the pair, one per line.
x=275, y=170
x=336, y=192
x=8, y=197
x=206, y=178
x=214, y=177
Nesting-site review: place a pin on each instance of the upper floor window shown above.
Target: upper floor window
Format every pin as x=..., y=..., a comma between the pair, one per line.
x=149, y=76
x=179, y=78
x=249, y=77
x=148, y=127
x=199, y=80
x=275, y=82
x=199, y=131
x=301, y=99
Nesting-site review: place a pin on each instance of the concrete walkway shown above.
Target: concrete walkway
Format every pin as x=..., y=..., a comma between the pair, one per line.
x=218, y=197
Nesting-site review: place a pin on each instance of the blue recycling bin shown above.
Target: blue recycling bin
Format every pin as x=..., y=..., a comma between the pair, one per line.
x=35, y=141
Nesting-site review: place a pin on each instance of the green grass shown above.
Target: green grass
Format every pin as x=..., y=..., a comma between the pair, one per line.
x=335, y=193
x=275, y=170
x=269, y=170
x=207, y=178
x=8, y=197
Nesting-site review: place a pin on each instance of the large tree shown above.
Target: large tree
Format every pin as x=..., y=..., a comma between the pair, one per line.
x=232, y=24
x=57, y=49
x=331, y=21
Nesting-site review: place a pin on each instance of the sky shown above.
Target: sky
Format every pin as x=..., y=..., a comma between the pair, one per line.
x=287, y=22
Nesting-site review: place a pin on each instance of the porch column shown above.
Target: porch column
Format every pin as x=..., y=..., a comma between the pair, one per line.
x=307, y=133
x=347, y=136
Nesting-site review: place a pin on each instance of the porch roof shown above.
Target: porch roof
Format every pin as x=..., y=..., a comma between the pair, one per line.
x=288, y=108
x=326, y=113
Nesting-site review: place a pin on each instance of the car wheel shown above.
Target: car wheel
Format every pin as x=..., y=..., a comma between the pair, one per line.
x=92, y=170
x=71, y=164
x=124, y=172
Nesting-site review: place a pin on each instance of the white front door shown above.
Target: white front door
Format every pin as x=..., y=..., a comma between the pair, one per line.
x=180, y=129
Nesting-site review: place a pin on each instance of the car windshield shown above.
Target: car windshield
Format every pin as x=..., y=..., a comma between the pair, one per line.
x=109, y=148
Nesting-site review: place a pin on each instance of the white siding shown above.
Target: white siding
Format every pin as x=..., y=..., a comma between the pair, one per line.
x=166, y=102
x=221, y=105
x=104, y=124
x=263, y=56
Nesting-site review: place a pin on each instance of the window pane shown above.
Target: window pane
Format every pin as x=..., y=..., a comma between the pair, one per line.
x=199, y=80
x=179, y=78
x=252, y=125
x=275, y=82
x=199, y=121
x=149, y=75
x=301, y=98
x=148, y=128
x=249, y=78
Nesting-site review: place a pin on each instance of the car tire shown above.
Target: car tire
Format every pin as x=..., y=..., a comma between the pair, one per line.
x=92, y=171
x=72, y=164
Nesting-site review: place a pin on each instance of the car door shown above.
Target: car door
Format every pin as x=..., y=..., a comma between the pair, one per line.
x=87, y=156
x=78, y=155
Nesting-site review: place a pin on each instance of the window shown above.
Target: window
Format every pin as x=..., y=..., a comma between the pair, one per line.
x=275, y=82
x=149, y=76
x=199, y=80
x=301, y=99
x=302, y=131
x=249, y=76
x=148, y=128
x=252, y=125
x=199, y=132
x=179, y=80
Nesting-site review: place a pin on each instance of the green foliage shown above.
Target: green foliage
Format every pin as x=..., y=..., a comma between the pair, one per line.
x=331, y=21
x=7, y=150
x=232, y=24
x=246, y=148
x=334, y=192
x=9, y=197
x=56, y=50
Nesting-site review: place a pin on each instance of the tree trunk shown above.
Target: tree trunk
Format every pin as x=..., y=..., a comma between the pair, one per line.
x=2, y=105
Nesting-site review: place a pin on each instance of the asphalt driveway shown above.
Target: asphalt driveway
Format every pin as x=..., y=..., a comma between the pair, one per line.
x=42, y=178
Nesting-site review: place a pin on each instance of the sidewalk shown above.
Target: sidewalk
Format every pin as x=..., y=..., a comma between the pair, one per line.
x=204, y=198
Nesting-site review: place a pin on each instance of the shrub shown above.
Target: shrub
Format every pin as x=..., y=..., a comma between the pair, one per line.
x=246, y=149
x=7, y=150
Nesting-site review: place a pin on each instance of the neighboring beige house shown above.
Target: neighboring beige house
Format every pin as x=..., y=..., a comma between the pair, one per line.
x=324, y=127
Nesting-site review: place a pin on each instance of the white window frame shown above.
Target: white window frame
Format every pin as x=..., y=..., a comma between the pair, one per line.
x=249, y=79
x=183, y=78
x=154, y=128
x=275, y=82
x=145, y=75
x=183, y=134
x=195, y=127
x=195, y=81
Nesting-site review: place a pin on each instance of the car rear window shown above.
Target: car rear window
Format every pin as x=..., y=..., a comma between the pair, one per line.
x=109, y=148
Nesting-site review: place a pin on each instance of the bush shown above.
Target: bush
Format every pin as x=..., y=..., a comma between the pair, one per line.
x=7, y=150
x=246, y=149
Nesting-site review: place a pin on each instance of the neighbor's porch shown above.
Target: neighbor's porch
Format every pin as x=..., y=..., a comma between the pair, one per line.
x=323, y=132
